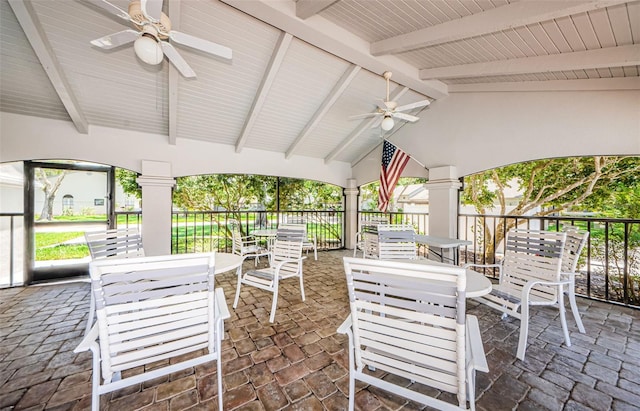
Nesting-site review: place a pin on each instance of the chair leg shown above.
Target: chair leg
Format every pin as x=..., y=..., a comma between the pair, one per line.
x=219, y=370
x=274, y=305
x=574, y=307
x=315, y=253
x=471, y=388
x=235, y=301
x=563, y=317
x=352, y=389
x=524, y=331
x=301, y=286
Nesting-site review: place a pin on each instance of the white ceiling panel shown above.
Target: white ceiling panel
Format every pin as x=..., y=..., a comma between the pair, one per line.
x=253, y=101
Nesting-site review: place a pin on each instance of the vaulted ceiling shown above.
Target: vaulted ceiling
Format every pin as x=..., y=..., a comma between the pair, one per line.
x=301, y=68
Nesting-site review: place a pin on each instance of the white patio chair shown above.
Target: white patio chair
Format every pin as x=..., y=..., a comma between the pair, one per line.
x=112, y=243
x=370, y=241
x=155, y=316
x=576, y=240
x=285, y=262
x=529, y=275
x=246, y=246
x=308, y=243
x=397, y=241
x=409, y=320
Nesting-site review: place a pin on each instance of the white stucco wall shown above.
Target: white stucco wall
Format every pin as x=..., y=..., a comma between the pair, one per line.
x=29, y=138
x=471, y=131
x=480, y=131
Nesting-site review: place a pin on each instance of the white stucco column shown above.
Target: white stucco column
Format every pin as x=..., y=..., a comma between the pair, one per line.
x=351, y=213
x=443, y=186
x=156, y=182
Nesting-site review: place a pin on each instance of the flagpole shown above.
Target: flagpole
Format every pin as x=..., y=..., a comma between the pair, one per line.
x=410, y=156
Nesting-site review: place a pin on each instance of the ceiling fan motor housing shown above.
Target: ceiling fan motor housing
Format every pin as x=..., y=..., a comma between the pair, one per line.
x=163, y=27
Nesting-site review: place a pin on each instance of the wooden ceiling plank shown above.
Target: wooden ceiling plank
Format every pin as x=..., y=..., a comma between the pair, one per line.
x=602, y=28
x=327, y=36
x=32, y=28
x=333, y=96
x=618, y=83
x=619, y=18
x=570, y=34
x=267, y=82
x=490, y=21
x=634, y=20
x=308, y=8
x=174, y=75
x=621, y=56
x=364, y=126
x=585, y=29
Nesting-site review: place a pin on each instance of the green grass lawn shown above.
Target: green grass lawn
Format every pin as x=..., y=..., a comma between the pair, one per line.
x=49, y=246
x=49, y=239
x=62, y=252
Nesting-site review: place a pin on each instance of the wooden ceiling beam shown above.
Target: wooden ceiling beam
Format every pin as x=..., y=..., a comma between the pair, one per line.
x=621, y=56
x=32, y=28
x=512, y=15
x=308, y=8
x=263, y=91
x=174, y=76
x=328, y=102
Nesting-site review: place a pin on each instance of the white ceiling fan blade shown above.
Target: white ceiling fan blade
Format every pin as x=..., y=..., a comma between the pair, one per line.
x=111, y=8
x=411, y=106
x=176, y=59
x=377, y=122
x=406, y=117
x=359, y=116
x=116, y=39
x=152, y=9
x=201, y=44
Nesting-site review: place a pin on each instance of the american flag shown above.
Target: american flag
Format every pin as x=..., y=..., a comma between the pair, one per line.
x=393, y=162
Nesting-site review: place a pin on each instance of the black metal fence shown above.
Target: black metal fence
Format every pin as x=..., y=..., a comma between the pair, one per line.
x=609, y=264
x=202, y=231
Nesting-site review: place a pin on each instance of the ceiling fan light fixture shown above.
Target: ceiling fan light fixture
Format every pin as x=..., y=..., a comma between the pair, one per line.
x=148, y=49
x=387, y=123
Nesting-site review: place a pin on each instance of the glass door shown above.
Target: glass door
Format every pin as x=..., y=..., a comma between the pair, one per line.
x=67, y=199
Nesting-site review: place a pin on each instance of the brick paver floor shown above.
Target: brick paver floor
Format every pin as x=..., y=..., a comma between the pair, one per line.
x=299, y=362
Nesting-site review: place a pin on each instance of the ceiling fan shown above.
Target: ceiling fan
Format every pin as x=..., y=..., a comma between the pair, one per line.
x=153, y=30
x=388, y=110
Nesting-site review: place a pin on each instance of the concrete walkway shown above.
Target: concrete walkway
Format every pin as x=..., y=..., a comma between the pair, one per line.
x=299, y=362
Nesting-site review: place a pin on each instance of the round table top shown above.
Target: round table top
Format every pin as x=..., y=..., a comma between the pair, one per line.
x=265, y=232
x=477, y=284
x=227, y=262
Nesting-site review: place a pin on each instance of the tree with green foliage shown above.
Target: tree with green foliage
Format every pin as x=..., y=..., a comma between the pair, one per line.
x=548, y=187
x=127, y=180
x=50, y=181
x=369, y=193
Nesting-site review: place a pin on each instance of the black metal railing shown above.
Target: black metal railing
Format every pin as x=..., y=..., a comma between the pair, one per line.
x=202, y=231
x=609, y=264
x=126, y=219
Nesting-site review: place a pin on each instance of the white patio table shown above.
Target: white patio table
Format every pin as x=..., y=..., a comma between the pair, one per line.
x=477, y=284
x=442, y=243
x=269, y=233
x=227, y=262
